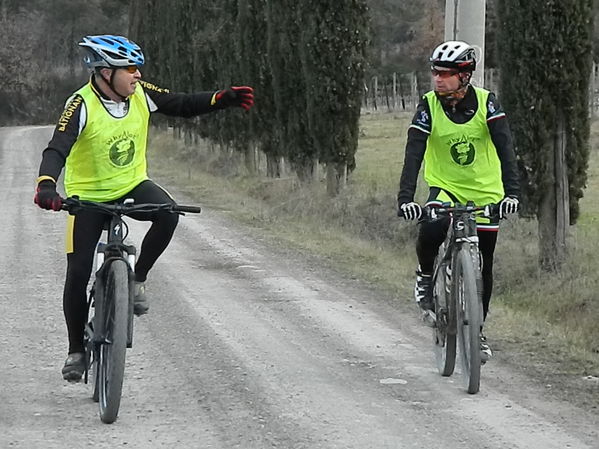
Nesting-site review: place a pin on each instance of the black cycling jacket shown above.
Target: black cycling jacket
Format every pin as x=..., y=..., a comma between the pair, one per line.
x=67, y=130
x=462, y=112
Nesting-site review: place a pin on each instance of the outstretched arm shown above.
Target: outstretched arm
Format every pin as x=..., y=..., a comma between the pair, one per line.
x=189, y=105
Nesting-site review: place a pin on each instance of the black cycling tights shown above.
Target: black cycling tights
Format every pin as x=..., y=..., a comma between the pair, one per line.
x=430, y=237
x=86, y=231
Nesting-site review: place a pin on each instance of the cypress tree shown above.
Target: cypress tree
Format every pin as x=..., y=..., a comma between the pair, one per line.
x=255, y=70
x=545, y=59
x=332, y=52
x=289, y=84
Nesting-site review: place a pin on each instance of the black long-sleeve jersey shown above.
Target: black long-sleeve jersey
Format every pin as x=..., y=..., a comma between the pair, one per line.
x=463, y=111
x=73, y=119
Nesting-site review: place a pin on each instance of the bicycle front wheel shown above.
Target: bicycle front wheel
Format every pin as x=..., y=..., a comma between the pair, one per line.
x=111, y=363
x=470, y=316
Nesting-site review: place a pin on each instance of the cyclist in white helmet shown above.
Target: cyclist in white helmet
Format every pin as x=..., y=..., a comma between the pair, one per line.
x=100, y=140
x=462, y=134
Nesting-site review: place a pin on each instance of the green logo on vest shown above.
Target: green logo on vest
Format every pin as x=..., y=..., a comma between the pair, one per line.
x=462, y=153
x=122, y=152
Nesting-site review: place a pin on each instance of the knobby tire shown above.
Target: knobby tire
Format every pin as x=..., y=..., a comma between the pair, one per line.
x=469, y=317
x=111, y=365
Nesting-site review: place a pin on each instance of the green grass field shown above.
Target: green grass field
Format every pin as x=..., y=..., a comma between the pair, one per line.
x=544, y=321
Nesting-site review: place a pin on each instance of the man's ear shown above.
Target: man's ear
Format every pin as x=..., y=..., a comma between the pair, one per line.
x=105, y=73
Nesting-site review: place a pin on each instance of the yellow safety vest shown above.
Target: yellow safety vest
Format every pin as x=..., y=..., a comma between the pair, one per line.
x=461, y=158
x=109, y=157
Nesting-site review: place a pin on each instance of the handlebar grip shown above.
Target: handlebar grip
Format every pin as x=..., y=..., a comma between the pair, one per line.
x=190, y=209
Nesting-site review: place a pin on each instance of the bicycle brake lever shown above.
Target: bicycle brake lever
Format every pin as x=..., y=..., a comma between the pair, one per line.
x=70, y=204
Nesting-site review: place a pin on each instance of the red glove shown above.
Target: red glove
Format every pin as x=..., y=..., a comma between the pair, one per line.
x=46, y=196
x=242, y=96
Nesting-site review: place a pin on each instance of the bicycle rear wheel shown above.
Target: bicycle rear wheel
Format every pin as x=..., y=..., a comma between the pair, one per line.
x=469, y=317
x=111, y=363
x=444, y=331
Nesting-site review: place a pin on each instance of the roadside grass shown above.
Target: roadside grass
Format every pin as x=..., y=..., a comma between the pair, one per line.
x=548, y=321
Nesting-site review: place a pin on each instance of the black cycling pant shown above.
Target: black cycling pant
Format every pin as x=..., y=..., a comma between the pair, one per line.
x=86, y=231
x=430, y=237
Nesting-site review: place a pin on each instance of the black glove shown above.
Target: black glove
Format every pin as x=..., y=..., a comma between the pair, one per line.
x=242, y=97
x=46, y=196
x=508, y=205
x=410, y=211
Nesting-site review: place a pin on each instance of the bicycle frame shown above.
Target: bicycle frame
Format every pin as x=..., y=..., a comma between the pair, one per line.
x=107, y=253
x=461, y=232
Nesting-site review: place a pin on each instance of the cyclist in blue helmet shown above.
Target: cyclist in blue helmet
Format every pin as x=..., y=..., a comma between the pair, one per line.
x=100, y=142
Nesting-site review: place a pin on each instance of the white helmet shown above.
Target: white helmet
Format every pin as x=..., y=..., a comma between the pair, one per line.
x=454, y=55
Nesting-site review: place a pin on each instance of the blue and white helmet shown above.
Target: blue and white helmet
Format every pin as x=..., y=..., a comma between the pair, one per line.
x=111, y=51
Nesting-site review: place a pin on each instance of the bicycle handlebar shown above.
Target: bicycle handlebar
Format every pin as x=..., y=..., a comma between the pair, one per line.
x=488, y=211
x=73, y=204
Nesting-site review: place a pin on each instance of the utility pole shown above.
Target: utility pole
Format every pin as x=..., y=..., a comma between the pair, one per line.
x=465, y=21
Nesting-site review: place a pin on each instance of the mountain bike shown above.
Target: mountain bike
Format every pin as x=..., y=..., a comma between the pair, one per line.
x=457, y=292
x=109, y=331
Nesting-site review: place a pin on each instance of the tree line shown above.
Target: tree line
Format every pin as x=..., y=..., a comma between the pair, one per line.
x=306, y=61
